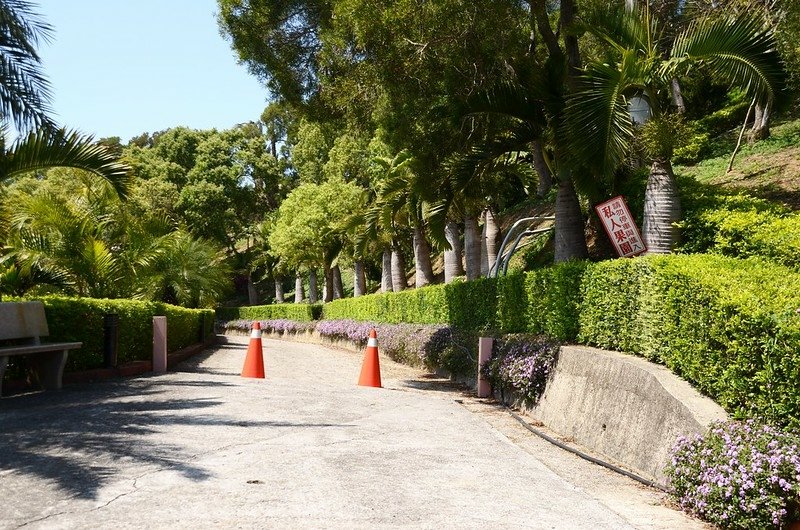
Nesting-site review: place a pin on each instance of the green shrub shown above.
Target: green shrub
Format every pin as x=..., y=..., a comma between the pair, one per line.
x=435, y=304
x=81, y=320
x=512, y=303
x=298, y=312
x=553, y=296
x=472, y=306
x=729, y=326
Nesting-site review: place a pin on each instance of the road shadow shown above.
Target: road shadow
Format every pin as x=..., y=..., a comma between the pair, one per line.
x=80, y=437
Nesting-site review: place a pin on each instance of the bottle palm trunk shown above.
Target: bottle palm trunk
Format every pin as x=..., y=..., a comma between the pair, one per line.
x=298, y=289
x=472, y=247
x=399, y=282
x=492, y=235
x=278, y=290
x=662, y=209
x=386, y=271
x=359, y=279
x=422, y=259
x=338, y=288
x=452, y=257
x=570, y=241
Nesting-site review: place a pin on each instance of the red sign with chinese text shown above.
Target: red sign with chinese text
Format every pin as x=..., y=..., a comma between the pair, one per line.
x=620, y=227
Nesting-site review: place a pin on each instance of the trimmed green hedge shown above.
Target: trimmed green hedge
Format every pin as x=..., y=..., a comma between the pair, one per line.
x=729, y=326
x=298, y=312
x=81, y=319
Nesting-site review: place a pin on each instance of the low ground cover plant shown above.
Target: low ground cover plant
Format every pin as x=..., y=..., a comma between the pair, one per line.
x=739, y=475
x=521, y=365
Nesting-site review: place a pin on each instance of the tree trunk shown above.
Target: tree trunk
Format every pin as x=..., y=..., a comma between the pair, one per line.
x=422, y=259
x=386, y=271
x=662, y=209
x=542, y=169
x=452, y=257
x=252, y=294
x=338, y=288
x=399, y=282
x=492, y=235
x=327, y=288
x=278, y=290
x=570, y=242
x=677, y=96
x=484, y=250
x=312, y=286
x=472, y=248
x=359, y=279
x=298, y=289
x=760, y=130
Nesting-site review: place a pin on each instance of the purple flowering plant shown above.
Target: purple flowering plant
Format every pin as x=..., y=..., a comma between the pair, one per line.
x=521, y=364
x=739, y=475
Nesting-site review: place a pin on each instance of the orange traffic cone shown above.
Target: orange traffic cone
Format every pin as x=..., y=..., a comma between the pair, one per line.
x=254, y=362
x=371, y=369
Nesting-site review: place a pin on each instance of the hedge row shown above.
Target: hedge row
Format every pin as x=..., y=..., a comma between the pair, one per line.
x=731, y=327
x=469, y=306
x=81, y=319
x=298, y=312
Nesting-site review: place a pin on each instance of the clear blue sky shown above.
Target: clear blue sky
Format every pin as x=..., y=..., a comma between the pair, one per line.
x=123, y=67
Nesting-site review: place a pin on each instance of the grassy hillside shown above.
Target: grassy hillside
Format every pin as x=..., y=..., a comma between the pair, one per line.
x=769, y=169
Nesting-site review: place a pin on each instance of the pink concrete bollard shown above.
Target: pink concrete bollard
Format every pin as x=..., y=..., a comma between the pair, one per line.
x=159, y=344
x=484, y=354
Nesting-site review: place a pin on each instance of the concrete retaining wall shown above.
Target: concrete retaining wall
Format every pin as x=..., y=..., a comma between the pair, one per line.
x=623, y=407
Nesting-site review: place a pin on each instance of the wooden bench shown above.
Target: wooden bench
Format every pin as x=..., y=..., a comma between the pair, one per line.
x=21, y=326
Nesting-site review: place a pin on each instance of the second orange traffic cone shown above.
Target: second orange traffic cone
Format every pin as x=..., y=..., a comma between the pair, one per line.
x=254, y=362
x=371, y=369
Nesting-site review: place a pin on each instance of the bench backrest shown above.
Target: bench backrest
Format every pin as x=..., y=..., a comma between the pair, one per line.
x=20, y=320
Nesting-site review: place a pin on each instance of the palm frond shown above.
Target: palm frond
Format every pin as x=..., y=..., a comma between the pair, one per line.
x=598, y=128
x=62, y=148
x=739, y=49
x=622, y=29
x=24, y=91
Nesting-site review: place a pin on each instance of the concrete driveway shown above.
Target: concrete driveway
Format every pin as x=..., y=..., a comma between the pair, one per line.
x=202, y=447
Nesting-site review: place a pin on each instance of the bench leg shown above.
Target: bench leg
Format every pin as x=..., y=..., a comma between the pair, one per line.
x=49, y=367
x=3, y=364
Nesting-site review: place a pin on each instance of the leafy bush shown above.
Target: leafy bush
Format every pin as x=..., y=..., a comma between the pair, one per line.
x=739, y=475
x=419, y=306
x=522, y=364
x=553, y=296
x=729, y=326
x=298, y=312
x=739, y=225
x=81, y=320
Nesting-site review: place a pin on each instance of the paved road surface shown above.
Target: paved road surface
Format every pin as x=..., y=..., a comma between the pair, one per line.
x=304, y=448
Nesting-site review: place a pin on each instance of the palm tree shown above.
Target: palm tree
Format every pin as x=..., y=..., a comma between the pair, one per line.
x=49, y=148
x=402, y=199
x=738, y=49
x=24, y=91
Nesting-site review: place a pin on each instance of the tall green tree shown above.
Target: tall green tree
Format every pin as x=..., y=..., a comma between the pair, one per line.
x=739, y=49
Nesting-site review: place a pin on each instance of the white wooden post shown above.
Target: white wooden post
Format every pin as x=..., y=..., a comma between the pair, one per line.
x=159, y=344
x=484, y=354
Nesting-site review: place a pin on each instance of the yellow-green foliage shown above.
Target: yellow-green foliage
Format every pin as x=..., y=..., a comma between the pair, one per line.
x=298, y=312
x=81, y=319
x=729, y=326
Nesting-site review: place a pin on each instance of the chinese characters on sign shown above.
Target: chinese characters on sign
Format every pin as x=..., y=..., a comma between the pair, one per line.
x=620, y=227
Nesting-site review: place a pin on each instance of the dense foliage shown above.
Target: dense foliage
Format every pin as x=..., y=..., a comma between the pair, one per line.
x=739, y=475
x=81, y=320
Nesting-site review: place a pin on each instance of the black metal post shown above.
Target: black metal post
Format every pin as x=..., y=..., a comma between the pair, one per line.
x=110, y=339
x=201, y=333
